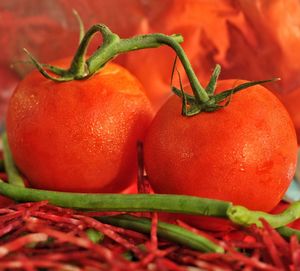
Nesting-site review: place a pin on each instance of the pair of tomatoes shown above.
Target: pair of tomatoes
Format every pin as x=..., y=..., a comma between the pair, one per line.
x=81, y=136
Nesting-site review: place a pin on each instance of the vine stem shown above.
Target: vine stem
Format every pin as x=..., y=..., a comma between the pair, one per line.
x=113, y=46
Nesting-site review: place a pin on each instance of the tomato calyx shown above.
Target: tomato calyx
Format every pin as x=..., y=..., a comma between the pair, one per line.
x=193, y=105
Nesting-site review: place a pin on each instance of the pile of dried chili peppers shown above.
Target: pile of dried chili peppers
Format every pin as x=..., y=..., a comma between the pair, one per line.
x=39, y=236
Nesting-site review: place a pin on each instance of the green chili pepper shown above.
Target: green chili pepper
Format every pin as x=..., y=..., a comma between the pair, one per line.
x=167, y=231
x=119, y=202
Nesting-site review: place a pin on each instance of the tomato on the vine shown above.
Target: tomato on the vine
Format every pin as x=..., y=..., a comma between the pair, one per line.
x=245, y=153
x=79, y=135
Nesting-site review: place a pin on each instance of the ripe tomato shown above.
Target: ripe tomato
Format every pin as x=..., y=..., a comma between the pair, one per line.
x=80, y=135
x=245, y=153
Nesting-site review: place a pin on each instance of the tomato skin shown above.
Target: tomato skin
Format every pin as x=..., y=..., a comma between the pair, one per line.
x=78, y=136
x=245, y=153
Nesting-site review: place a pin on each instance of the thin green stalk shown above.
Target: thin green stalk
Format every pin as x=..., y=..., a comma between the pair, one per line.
x=167, y=231
x=119, y=202
x=13, y=174
x=111, y=47
x=245, y=217
x=115, y=46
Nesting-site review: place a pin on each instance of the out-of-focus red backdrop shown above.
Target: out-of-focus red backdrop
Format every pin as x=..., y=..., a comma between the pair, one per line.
x=251, y=39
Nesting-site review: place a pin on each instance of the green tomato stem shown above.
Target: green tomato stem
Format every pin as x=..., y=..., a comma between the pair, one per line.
x=245, y=217
x=120, y=202
x=167, y=231
x=113, y=46
x=13, y=174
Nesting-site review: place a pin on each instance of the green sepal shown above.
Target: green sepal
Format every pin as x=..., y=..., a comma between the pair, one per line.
x=223, y=95
x=178, y=92
x=191, y=106
x=211, y=86
x=63, y=74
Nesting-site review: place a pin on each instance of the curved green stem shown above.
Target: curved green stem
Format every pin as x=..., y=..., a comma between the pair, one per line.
x=119, y=202
x=79, y=68
x=167, y=231
x=243, y=216
x=113, y=46
x=13, y=174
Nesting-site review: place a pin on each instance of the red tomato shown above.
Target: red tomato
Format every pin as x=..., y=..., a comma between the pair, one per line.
x=78, y=135
x=245, y=153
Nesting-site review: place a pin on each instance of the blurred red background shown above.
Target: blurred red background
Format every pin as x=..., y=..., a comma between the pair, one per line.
x=251, y=39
